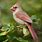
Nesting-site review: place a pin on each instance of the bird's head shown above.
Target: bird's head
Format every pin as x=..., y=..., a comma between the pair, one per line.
x=15, y=7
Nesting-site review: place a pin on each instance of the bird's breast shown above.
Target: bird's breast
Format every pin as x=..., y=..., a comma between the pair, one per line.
x=18, y=20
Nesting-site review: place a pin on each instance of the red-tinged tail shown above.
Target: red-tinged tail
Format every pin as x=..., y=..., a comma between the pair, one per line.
x=33, y=33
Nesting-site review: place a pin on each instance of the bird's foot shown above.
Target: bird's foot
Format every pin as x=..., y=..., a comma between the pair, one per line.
x=20, y=26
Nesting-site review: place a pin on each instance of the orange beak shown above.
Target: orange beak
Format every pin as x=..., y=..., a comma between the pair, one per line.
x=12, y=9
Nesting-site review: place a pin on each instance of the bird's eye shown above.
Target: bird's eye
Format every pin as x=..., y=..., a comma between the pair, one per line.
x=15, y=7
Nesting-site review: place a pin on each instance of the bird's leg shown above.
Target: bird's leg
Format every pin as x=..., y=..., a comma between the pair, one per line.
x=19, y=26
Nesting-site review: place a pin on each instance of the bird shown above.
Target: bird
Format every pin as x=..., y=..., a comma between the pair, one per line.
x=21, y=17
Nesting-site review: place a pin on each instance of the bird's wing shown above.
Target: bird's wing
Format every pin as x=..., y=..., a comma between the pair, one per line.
x=23, y=16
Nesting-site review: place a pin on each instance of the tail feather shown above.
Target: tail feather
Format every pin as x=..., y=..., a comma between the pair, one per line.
x=34, y=35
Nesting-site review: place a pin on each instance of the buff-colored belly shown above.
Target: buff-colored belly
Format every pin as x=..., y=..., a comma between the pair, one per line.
x=18, y=20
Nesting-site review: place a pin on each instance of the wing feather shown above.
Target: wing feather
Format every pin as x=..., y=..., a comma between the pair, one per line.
x=23, y=16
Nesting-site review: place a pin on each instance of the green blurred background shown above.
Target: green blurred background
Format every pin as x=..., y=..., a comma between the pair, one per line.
x=8, y=30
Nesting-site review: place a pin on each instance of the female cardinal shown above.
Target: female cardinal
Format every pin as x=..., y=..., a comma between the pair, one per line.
x=21, y=17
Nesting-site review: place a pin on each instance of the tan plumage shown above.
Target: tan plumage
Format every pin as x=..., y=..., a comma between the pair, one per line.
x=21, y=17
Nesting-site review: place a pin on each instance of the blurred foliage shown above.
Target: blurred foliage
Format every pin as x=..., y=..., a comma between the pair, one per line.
x=9, y=30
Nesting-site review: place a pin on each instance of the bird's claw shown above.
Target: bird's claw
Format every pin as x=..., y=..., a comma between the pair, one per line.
x=18, y=26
